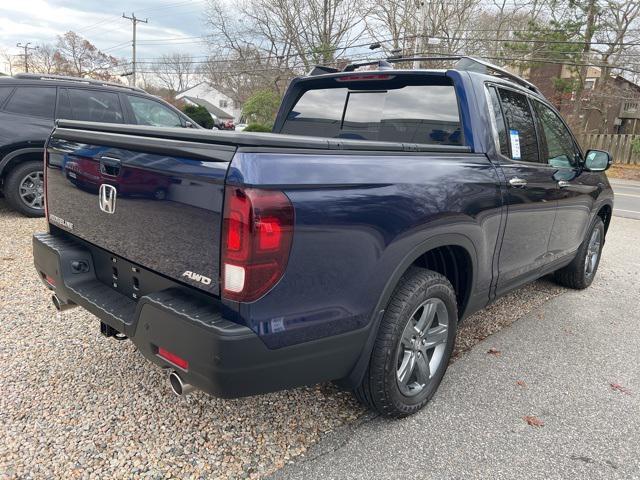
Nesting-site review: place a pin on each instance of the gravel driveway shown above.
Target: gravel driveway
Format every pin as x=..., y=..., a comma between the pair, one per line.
x=77, y=405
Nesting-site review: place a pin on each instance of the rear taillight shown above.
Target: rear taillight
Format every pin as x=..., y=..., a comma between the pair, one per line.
x=256, y=239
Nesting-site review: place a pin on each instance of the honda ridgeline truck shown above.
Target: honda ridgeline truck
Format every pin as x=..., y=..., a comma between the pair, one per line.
x=387, y=206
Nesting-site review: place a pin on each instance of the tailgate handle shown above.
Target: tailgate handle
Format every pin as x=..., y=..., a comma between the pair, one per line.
x=110, y=166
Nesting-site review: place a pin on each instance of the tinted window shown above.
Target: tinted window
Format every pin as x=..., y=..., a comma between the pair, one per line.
x=500, y=126
x=4, y=93
x=520, y=126
x=317, y=113
x=558, y=147
x=95, y=106
x=150, y=112
x=37, y=101
x=413, y=113
x=64, y=107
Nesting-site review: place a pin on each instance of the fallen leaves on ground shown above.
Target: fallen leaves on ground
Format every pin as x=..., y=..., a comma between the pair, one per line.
x=620, y=388
x=533, y=421
x=521, y=383
x=494, y=351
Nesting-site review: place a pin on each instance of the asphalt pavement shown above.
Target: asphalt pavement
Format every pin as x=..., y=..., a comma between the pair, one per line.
x=627, y=198
x=571, y=367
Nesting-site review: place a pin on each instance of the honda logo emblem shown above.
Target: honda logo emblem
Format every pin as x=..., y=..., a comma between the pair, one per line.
x=107, y=198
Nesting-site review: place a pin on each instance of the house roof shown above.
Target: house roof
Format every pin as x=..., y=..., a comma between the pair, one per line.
x=212, y=109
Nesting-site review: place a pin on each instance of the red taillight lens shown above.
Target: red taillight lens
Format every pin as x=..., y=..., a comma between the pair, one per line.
x=173, y=358
x=256, y=240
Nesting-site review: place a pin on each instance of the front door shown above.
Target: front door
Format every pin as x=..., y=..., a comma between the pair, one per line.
x=577, y=189
x=531, y=191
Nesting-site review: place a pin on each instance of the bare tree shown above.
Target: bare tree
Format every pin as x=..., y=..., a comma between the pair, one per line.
x=83, y=59
x=175, y=71
x=47, y=59
x=266, y=42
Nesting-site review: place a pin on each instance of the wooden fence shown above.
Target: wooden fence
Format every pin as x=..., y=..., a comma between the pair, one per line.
x=619, y=146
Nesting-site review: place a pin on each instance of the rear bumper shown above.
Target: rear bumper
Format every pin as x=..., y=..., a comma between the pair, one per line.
x=225, y=359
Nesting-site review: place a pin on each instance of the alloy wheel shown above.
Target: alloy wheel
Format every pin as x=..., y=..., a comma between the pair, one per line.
x=422, y=346
x=593, y=252
x=31, y=190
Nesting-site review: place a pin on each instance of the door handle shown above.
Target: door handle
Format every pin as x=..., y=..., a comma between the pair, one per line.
x=517, y=182
x=563, y=183
x=110, y=166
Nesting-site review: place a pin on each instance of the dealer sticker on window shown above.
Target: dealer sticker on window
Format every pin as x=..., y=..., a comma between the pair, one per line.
x=515, y=144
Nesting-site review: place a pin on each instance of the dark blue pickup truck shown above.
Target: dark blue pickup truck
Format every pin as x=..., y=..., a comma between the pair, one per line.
x=386, y=207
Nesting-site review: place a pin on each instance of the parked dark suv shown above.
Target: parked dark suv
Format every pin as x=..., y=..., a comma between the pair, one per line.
x=29, y=103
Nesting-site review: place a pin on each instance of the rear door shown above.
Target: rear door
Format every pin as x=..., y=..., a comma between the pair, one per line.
x=531, y=190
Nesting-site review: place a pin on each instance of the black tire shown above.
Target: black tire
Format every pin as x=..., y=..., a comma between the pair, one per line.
x=579, y=274
x=382, y=389
x=12, y=187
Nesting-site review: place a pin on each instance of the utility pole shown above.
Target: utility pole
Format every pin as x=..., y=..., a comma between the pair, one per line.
x=26, y=54
x=421, y=28
x=585, y=59
x=135, y=22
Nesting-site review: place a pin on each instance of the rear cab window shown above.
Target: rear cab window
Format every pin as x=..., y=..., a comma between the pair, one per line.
x=400, y=108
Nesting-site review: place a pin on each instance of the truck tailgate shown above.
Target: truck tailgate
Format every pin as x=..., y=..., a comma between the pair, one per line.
x=152, y=201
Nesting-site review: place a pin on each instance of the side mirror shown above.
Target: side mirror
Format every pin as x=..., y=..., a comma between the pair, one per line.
x=188, y=124
x=597, y=160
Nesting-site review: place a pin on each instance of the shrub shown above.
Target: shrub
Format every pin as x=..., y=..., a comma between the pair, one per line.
x=199, y=115
x=261, y=107
x=257, y=127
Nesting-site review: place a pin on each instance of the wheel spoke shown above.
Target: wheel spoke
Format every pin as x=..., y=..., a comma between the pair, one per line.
x=423, y=371
x=435, y=336
x=426, y=317
x=406, y=367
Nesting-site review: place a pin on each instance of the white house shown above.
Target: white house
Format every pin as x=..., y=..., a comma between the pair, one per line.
x=219, y=105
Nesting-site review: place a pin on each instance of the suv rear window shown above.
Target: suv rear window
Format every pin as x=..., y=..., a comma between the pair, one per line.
x=411, y=113
x=36, y=101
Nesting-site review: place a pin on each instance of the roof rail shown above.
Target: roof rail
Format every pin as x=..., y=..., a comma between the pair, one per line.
x=463, y=62
x=64, y=78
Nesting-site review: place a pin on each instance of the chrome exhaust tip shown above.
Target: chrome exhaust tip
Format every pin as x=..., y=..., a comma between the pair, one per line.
x=60, y=305
x=178, y=386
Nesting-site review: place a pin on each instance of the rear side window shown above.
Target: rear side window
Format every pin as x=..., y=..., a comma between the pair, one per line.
x=95, y=106
x=520, y=127
x=36, y=101
x=4, y=94
x=500, y=125
x=412, y=113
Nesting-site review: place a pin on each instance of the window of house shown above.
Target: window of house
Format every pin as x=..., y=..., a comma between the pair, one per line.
x=223, y=103
x=521, y=130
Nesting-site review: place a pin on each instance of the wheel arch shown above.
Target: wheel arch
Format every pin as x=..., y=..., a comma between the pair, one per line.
x=19, y=155
x=605, y=212
x=458, y=242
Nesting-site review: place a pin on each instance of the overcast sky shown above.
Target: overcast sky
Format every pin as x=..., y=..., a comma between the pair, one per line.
x=100, y=21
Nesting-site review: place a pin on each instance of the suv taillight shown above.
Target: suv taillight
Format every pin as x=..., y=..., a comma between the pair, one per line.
x=257, y=230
